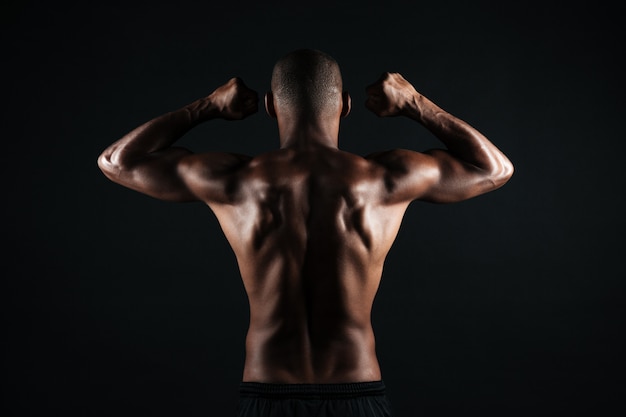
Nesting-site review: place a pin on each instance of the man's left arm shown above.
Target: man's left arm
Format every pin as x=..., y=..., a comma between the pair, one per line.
x=145, y=160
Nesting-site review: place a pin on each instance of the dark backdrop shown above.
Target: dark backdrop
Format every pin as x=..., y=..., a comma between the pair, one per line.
x=509, y=304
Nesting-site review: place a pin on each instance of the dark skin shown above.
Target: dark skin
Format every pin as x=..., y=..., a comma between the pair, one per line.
x=310, y=224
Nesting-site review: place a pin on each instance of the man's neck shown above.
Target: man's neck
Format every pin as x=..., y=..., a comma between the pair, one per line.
x=308, y=133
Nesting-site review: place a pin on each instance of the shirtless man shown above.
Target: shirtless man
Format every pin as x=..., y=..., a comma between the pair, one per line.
x=310, y=224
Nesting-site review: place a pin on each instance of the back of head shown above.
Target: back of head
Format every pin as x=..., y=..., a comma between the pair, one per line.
x=307, y=80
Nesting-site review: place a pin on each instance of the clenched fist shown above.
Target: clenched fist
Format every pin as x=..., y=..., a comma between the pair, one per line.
x=234, y=100
x=390, y=95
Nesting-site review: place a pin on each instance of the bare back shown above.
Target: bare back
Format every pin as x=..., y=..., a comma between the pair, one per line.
x=310, y=235
x=310, y=225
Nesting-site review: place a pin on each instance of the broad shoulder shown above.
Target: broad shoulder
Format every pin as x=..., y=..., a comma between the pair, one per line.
x=408, y=174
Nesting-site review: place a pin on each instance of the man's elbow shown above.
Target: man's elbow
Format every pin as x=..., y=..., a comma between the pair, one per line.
x=110, y=169
x=502, y=173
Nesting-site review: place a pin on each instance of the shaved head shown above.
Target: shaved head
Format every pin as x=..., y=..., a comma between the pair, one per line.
x=307, y=80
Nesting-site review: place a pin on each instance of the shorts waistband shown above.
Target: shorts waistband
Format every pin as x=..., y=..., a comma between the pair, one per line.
x=318, y=391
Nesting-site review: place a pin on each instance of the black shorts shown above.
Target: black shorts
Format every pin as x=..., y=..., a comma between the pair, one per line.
x=359, y=399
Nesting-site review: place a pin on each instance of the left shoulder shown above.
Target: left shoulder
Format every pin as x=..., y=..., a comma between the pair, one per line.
x=213, y=177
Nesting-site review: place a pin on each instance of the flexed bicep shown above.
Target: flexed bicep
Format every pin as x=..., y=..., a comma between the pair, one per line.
x=155, y=174
x=434, y=176
x=455, y=179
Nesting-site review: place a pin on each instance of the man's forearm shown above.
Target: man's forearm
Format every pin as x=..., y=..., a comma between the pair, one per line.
x=161, y=132
x=459, y=137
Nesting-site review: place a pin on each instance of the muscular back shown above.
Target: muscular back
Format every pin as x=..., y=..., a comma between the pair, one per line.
x=310, y=232
x=310, y=225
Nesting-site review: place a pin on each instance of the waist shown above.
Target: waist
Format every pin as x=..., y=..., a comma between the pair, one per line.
x=312, y=391
x=293, y=357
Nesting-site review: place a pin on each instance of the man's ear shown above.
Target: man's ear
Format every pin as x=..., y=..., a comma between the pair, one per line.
x=269, y=104
x=346, y=104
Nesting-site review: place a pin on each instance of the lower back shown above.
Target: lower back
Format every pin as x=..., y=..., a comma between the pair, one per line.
x=294, y=356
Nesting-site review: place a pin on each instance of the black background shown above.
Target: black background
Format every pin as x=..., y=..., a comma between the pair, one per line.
x=509, y=304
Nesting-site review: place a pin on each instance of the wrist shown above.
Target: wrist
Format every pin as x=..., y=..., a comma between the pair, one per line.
x=202, y=110
x=411, y=108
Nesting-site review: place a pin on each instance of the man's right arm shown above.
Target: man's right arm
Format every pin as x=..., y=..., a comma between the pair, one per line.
x=469, y=166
